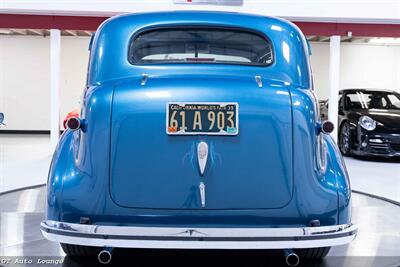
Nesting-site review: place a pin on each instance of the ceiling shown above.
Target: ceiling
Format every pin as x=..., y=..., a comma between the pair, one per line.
x=347, y=39
x=311, y=38
x=43, y=32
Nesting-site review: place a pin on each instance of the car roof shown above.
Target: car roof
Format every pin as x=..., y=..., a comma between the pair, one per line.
x=110, y=47
x=367, y=90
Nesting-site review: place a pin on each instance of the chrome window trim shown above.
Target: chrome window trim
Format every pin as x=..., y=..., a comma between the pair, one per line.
x=200, y=26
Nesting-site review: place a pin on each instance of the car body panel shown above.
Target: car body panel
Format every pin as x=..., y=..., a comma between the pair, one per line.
x=234, y=181
x=80, y=162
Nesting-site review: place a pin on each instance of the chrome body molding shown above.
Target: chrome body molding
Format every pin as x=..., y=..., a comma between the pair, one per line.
x=202, y=189
x=259, y=81
x=198, y=238
x=144, y=79
x=202, y=156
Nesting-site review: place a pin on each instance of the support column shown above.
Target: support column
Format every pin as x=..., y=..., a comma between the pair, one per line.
x=55, y=41
x=334, y=76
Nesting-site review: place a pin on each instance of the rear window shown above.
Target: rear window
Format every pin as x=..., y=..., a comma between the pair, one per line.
x=200, y=45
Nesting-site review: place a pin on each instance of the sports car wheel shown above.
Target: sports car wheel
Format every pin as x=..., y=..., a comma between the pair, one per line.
x=345, y=142
x=313, y=253
x=80, y=251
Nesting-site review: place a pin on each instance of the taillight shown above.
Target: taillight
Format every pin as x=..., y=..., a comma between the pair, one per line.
x=327, y=127
x=73, y=123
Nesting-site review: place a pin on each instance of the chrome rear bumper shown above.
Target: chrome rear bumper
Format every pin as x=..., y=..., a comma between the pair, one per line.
x=198, y=238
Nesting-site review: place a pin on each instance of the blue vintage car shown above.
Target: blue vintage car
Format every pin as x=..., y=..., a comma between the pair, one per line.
x=198, y=130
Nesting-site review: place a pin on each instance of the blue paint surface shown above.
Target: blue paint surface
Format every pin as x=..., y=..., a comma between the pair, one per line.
x=122, y=168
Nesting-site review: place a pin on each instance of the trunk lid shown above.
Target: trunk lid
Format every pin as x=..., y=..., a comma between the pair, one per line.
x=150, y=169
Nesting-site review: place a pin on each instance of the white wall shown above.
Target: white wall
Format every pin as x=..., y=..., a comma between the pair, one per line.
x=25, y=84
x=24, y=75
x=361, y=66
x=74, y=62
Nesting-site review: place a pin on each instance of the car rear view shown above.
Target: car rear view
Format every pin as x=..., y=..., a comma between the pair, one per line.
x=198, y=130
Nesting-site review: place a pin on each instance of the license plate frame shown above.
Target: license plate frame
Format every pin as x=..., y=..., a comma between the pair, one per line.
x=223, y=107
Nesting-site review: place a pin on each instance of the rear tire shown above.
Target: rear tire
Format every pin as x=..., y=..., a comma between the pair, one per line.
x=80, y=251
x=313, y=253
x=345, y=139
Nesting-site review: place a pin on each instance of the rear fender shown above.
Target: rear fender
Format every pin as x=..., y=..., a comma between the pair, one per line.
x=78, y=176
x=337, y=169
x=59, y=167
x=328, y=189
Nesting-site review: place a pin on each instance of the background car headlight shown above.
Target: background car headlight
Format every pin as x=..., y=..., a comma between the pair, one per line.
x=367, y=123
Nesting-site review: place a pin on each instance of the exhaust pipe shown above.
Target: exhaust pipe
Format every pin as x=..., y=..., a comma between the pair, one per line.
x=105, y=256
x=292, y=259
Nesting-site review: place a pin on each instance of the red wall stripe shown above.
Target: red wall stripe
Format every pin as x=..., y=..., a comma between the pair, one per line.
x=50, y=22
x=357, y=29
x=91, y=23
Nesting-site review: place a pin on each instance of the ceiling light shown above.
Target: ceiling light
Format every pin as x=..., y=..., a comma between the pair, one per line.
x=384, y=41
x=5, y=31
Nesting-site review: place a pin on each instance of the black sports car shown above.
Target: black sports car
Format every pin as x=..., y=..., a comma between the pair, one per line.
x=369, y=122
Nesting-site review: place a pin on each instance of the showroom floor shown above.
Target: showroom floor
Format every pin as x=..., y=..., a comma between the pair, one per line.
x=376, y=176
x=22, y=211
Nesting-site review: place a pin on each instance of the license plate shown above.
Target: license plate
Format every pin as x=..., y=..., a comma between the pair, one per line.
x=202, y=118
